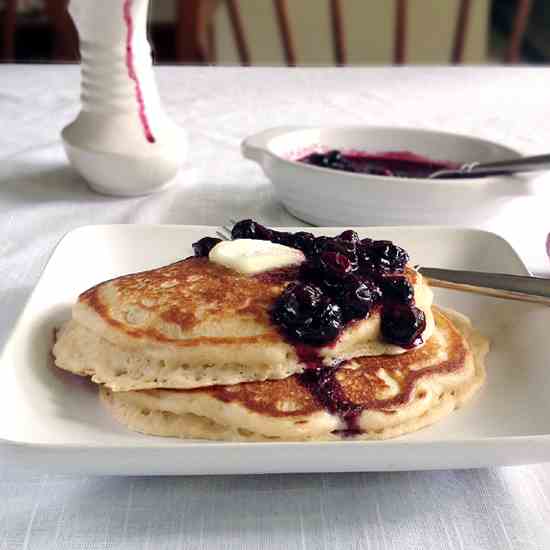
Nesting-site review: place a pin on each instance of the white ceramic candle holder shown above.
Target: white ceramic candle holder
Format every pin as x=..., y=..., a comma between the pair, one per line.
x=121, y=142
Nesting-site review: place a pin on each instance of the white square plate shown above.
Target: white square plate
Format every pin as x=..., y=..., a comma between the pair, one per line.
x=52, y=420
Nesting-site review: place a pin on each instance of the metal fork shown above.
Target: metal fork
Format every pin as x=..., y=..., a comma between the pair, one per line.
x=497, y=285
x=224, y=232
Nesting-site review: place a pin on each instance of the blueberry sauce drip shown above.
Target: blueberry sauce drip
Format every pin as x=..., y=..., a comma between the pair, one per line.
x=401, y=164
x=308, y=355
x=322, y=383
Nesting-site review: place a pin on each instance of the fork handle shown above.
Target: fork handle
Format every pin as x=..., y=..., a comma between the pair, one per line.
x=498, y=285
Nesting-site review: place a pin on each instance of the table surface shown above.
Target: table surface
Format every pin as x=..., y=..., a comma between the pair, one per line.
x=41, y=199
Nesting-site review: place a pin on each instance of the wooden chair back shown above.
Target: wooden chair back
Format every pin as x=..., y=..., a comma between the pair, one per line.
x=195, y=32
x=65, y=35
x=8, y=30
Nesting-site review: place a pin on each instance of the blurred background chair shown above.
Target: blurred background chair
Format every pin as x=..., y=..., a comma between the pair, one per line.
x=317, y=32
x=355, y=31
x=44, y=27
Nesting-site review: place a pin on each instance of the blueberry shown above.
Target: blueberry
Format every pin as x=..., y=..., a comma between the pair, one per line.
x=359, y=297
x=304, y=241
x=322, y=327
x=335, y=160
x=333, y=157
x=402, y=325
x=203, y=247
x=249, y=229
x=317, y=159
x=299, y=300
x=349, y=235
x=338, y=246
x=320, y=244
x=310, y=272
x=397, y=289
x=367, y=259
x=366, y=242
x=307, y=296
x=305, y=314
x=335, y=264
x=379, y=257
x=389, y=256
x=282, y=237
x=348, y=249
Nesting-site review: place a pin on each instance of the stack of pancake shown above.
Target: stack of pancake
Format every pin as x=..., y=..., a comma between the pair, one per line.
x=189, y=350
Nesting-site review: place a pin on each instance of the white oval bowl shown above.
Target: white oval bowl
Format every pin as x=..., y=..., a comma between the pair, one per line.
x=334, y=198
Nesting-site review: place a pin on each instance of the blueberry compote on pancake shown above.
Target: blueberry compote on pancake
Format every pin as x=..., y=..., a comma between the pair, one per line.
x=342, y=280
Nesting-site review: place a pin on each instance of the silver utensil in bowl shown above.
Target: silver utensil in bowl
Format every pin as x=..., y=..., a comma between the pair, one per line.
x=503, y=167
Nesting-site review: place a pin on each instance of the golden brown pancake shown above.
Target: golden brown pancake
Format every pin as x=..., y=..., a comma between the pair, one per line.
x=373, y=397
x=195, y=323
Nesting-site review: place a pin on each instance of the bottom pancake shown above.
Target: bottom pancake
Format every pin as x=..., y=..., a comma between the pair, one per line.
x=370, y=398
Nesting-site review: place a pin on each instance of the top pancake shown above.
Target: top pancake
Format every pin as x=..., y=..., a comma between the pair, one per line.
x=195, y=323
x=189, y=303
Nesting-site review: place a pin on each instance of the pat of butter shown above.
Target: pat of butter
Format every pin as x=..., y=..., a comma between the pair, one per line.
x=250, y=256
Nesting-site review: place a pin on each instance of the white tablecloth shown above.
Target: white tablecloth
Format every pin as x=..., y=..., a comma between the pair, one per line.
x=41, y=199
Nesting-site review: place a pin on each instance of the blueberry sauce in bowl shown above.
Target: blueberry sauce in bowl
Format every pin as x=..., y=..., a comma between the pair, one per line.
x=345, y=185
x=401, y=164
